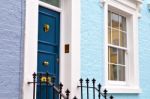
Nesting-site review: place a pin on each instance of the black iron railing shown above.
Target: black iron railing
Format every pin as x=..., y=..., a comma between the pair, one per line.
x=49, y=81
x=101, y=95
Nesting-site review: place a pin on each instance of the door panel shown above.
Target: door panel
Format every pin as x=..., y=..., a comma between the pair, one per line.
x=48, y=47
x=48, y=57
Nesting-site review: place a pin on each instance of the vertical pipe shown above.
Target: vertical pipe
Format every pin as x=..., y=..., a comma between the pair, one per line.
x=81, y=81
x=60, y=88
x=40, y=76
x=93, y=88
x=99, y=91
x=87, y=83
x=67, y=94
x=105, y=93
x=34, y=77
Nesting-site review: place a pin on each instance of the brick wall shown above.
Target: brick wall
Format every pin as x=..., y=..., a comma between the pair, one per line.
x=11, y=44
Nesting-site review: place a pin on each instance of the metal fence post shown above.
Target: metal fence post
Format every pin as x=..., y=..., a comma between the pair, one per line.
x=67, y=94
x=111, y=97
x=99, y=91
x=60, y=88
x=34, y=77
x=75, y=97
x=93, y=88
x=40, y=76
x=87, y=83
x=81, y=82
x=105, y=94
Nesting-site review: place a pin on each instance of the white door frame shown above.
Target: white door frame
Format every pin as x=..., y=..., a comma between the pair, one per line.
x=69, y=34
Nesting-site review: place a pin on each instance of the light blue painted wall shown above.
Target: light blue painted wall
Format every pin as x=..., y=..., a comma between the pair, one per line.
x=92, y=46
x=92, y=39
x=11, y=12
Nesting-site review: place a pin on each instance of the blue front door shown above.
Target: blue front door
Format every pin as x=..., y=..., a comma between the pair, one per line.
x=48, y=48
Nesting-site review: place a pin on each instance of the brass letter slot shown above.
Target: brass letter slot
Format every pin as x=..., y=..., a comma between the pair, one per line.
x=66, y=48
x=43, y=79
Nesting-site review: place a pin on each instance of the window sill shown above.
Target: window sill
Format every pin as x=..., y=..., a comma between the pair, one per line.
x=122, y=89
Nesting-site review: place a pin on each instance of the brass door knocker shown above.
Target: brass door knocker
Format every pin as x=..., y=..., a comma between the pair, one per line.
x=46, y=27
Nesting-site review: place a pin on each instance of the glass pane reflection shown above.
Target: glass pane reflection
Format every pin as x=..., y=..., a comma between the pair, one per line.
x=121, y=73
x=112, y=72
x=52, y=2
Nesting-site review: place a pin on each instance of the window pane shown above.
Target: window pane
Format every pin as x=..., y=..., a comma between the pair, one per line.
x=115, y=37
x=109, y=18
x=115, y=21
x=113, y=55
x=121, y=56
x=52, y=2
x=112, y=72
x=123, y=39
x=109, y=35
x=122, y=23
x=121, y=73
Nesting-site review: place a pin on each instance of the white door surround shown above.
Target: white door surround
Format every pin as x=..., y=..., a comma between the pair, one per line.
x=69, y=34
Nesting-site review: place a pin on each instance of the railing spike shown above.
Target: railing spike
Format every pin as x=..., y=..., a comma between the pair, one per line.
x=99, y=86
x=105, y=93
x=40, y=81
x=60, y=89
x=60, y=86
x=75, y=97
x=81, y=80
x=87, y=80
x=111, y=97
x=93, y=80
x=67, y=93
x=99, y=91
x=34, y=75
x=87, y=83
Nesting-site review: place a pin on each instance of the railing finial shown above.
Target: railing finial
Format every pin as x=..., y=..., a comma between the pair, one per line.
x=105, y=93
x=87, y=80
x=93, y=80
x=75, y=97
x=81, y=80
x=111, y=97
x=67, y=93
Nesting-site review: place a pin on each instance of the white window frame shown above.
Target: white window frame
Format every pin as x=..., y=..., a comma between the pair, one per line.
x=69, y=34
x=131, y=12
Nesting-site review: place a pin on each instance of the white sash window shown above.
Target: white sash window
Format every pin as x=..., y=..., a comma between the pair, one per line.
x=121, y=45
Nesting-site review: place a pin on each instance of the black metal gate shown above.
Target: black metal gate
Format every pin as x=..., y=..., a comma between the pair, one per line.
x=57, y=90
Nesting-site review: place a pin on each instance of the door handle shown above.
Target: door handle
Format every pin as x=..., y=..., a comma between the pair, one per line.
x=45, y=63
